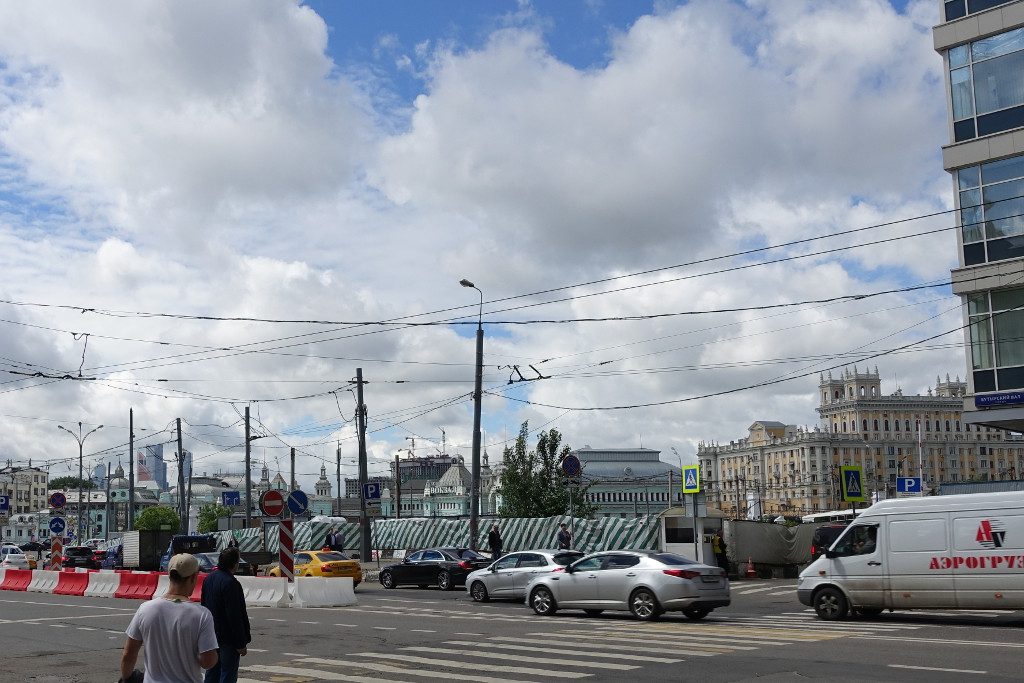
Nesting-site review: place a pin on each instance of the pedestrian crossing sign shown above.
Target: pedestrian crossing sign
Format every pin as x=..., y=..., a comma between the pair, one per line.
x=691, y=479
x=852, y=483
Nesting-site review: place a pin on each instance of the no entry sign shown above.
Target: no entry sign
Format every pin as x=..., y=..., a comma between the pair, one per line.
x=272, y=503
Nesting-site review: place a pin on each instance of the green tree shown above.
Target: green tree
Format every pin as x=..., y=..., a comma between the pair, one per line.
x=208, y=516
x=154, y=518
x=69, y=483
x=532, y=483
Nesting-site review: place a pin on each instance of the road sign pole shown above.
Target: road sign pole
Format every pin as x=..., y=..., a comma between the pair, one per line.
x=286, y=548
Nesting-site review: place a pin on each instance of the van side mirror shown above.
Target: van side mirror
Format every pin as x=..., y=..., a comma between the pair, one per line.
x=831, y=554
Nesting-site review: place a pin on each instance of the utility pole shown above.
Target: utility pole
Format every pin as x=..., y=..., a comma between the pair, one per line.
x=364, y=523
x=81, y=441
x=248, y=473
x=106, y=509
x=474, y=497
x=131, y=469
x=398, y=488
x=293, y=468
x=670, y=495
x=183, y=523
x=338, y=453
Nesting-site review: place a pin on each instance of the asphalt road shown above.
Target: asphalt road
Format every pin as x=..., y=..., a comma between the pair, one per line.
x=419, y=635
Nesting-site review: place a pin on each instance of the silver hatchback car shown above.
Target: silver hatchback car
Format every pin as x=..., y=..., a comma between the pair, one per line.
x=647, y=583
x=507, y=577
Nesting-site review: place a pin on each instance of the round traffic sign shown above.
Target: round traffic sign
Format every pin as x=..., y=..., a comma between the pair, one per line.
x=571, y=466
x=57, y=525
x=298, y=502
x=58, y=500
x=272, y=503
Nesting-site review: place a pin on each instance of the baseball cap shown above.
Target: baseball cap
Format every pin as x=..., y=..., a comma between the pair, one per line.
x=184, y=564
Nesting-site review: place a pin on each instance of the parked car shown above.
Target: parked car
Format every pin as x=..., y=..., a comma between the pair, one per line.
x=113, y=558
x=188, y=543
x=647, y=583
x=323, y=563
x=80, y=556
x=208, y=562
x=445, y=568
x=12, y=557
x=507, y=577
x=824, y=537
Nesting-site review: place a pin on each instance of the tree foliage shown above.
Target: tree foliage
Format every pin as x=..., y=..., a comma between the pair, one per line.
x=154, y=518
x=69, y=483
x=208, y=516
x=532, y=483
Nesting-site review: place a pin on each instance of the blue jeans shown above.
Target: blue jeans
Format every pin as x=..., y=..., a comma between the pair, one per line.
x=226, y=668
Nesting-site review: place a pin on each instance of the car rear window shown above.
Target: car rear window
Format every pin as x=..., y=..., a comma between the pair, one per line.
x=78, y=551
x=566, y=558
x=331, y=557
x=671, y=558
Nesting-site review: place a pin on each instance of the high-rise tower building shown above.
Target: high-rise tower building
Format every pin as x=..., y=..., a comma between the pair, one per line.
x=982, y=48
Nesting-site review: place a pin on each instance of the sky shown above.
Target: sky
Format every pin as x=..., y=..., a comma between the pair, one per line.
x=205, y=206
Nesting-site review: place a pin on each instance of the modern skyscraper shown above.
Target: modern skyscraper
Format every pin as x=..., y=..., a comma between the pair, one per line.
x=982, y=48
x=150, y=465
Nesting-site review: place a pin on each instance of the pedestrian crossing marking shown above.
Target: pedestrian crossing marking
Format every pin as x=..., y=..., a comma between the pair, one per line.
x=576, y=652
x=395, y=669
x=747, y=631
x=715, y=646
x=313, y=673
x=560, y=661
x=501, y=668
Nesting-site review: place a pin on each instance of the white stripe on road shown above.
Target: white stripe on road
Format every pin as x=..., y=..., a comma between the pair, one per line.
x=716, y=641
x=787, y=592
x=576, y=652
x=943, y=641
x=685, y=650
x=349, y=625
x=560, y=661
x=748, y=591
x=936, y=668
x=467, y=665
x=418, y=602
x=314, y=674
x=422, y=630
x=377, y=666
x=385, y=628
x=309, y=622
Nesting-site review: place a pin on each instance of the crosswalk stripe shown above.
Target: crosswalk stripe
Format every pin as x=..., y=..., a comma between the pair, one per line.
x=314, y=673
x=521, y=658
x=748, y=591
x=766, y=634
x=472, y=665
x=717, y=643
x=387, y=668
x=946, y=641
x=785, y=592
x=431, y=615
x=685, y=650
x=829, y=626
x=576, y=652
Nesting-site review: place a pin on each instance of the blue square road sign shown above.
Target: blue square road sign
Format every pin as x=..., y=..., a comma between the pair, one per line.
x=371, y=490
x=908, y=485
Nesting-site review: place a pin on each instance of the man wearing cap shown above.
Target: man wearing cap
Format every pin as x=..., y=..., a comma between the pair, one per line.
x=224, y=597
x=178, y=634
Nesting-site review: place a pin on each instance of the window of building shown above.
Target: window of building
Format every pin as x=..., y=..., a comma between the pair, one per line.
x=954, y=9
x=886, y=425
x=996, y=321
x=958, y=425
x=906, y=423
x=986, y=80
x=876, y=425
x=897, y=423
x=865, y=425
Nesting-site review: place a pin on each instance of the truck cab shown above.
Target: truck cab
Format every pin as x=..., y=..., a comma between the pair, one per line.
x=188, y=543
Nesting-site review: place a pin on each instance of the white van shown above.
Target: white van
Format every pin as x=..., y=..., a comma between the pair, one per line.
x=935, y=552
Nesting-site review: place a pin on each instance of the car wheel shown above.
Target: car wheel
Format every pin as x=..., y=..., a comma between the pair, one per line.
x=869, y=612
x=444, y=581
x=543, y=602
x=644, y=605
x=593, y=612
x=696, y=613
x=478, y=591
x=386, y=579
x=830, y=604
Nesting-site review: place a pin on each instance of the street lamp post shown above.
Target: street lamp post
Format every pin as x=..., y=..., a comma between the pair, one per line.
x=474, y=498
x=81, y=442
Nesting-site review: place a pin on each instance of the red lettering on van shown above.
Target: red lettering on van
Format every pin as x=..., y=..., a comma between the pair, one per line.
x=958, y=562
x=934, y=564
x=996, y=561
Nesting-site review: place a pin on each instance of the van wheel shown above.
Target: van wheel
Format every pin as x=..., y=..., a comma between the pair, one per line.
x=830, y=604
x=869, y=612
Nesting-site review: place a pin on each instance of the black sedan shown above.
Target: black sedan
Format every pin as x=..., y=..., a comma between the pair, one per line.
x=80, y=556
x=208, y=562
x=445, y=568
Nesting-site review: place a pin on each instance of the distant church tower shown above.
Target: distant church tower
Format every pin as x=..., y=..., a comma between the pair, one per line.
x=323, y=485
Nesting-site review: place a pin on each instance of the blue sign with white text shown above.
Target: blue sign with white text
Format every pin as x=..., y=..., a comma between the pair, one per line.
x=5, y=502
x=371, y=490
x=908, y=484
x=230, y=498
x=1004, y=399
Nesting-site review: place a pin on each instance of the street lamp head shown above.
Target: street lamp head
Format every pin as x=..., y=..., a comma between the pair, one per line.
x=466, y=283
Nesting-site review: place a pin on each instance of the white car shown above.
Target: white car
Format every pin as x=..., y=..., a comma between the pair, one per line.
x=12, y=557
x=507, y=577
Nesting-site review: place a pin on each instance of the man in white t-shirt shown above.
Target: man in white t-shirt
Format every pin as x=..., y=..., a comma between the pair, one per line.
x=178, y=634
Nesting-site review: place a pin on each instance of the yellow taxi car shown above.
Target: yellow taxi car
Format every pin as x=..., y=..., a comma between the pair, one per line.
x=323, y=563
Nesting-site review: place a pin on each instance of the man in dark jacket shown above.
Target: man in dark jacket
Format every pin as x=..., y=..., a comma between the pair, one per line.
x=494, y=541
x=224, y=597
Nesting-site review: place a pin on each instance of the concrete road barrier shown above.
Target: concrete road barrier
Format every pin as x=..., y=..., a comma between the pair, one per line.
x=264, y=591
x=43, y=581
x=102, y=585
x=320, y=591
x=71, y=583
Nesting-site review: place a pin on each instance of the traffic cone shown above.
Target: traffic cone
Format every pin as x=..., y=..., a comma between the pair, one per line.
x=751, y=573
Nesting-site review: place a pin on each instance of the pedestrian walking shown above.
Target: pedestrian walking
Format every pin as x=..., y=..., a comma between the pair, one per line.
x=718, y=548
x=178, y=634
x=494, y=541
x=224, y=597
x=564, y=538
x=233, y=543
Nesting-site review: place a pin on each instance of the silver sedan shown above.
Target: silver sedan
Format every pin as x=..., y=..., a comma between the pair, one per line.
x=507, y=577
x=647, y=583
